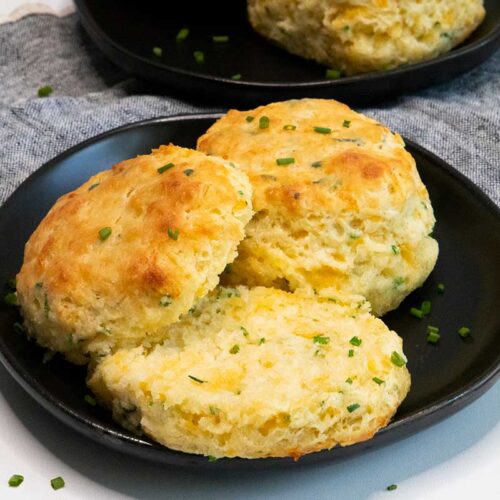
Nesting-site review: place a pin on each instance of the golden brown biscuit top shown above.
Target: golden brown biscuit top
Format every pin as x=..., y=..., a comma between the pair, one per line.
x=130, y=230
x=311, y=154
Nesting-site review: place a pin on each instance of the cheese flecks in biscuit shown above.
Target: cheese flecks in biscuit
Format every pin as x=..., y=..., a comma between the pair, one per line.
x=260, y=373
x=358, y=36
x=338, y=200
x=124, y=255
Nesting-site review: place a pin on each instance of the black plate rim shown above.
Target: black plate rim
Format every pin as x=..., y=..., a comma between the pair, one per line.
x=457, y=53
x=431, y=414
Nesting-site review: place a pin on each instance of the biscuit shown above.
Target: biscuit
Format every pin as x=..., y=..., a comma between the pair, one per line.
x=338, y=200
x=120, y=258
x=360, y=36
x=260, y=373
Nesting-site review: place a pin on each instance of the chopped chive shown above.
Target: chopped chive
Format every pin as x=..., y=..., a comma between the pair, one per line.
x=352, y=407
x=46, y=306
x=18, y=328
x=346, y=124
x=285, y=161
x=166, y=167
x=235, y=349
x=105, y=233
x=316, y=164
x=199, y=56
x=440, y=288
x=426, y=307
x=333, y=74
x=89, y=400
x=290, y=127
x=45, y=91
x=417, y=313
x=321, y=339
x=165, y=301
x=15, y=480
x=182, y=35
x=398, y=281
x=244, y=330
x=157, y=51
x=192, y=377
x=262, y=341
x=220, y=38
x=236, y=77
x=188, y=172
x=57, y=483
x=392, y=487
x=431, y=328
x=323, y=130
x=348, y=380
x=355, y=341
x=249, y=119
x=377, y=380
x=351, y=353
x=211, y=458
x=463, y=331
x=11, y=299
x=395, y=250
x=93, y=186
x=263, y=122
x=173, y=234
x=433, y=337
x=397, y=359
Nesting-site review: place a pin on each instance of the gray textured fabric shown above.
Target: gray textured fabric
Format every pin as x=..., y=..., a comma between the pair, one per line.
x=459, y=121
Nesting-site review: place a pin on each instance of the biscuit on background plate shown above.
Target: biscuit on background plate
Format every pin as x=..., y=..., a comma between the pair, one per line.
x=357, y=36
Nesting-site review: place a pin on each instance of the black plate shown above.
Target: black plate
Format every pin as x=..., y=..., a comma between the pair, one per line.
x=127, y=31
x=446, y=377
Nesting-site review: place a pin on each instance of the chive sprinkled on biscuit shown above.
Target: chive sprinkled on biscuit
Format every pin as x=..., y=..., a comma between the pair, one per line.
x=105, y=233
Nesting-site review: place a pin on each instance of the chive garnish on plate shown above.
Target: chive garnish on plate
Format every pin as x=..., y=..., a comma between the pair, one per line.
x=157, y=51
x=333, y=74
x=463, y=331
x=199, y=56
x=182, y=35
x=220, y=38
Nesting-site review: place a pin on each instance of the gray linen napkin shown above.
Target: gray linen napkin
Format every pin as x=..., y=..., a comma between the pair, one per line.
x=459, y=121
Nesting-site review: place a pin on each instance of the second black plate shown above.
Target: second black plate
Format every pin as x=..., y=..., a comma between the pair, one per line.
x=445, y=377
x=127, y=31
